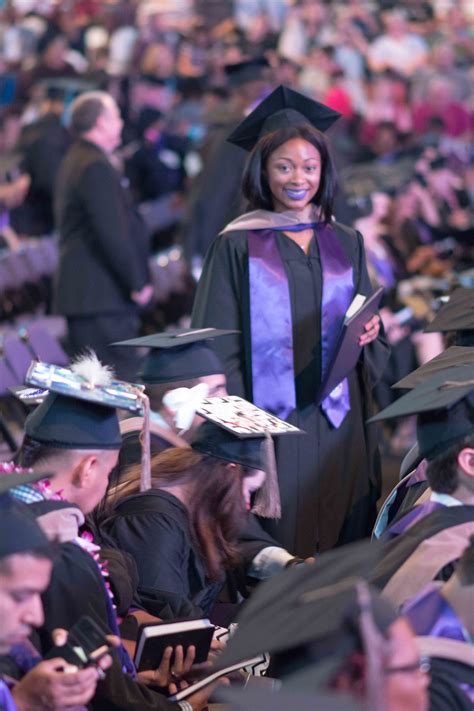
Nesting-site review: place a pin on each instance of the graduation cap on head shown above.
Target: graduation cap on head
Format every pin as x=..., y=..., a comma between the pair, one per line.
x=246, y=71
x=454, y=357
x=80, y=409
x=237, y=431
x=444, y=405
x=308, y=615
x=282, y=108
x=456, y=315
x=19, y=532
x=184, y=354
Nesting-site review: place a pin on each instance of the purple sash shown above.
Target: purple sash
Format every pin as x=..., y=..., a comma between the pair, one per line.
x=271, y=326
x=412, y=517
x=430, y=615
x=6, y=699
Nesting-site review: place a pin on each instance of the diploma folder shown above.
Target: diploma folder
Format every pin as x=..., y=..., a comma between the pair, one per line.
x=154, y=638
x=347, y=351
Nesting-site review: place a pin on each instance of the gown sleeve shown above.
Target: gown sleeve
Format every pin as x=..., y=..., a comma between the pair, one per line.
x=220, y=303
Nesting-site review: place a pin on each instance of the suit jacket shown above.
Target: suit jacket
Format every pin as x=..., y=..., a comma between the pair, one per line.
x=103, y=243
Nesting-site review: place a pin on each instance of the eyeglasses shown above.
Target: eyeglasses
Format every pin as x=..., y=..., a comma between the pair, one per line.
x=423, y=665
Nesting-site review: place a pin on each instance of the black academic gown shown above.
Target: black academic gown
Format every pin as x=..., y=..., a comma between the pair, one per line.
x=76, y=588
x=329, y=478
x=154, y=528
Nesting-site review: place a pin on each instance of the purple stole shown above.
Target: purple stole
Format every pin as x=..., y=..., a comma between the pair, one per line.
x=6, y=699
x=271, y=327
x=410, y=518
x=430, y=615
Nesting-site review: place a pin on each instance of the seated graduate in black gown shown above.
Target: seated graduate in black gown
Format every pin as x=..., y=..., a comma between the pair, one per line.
x=284, y=275
x=413, y=487
x=180, y=369
x=442, y=615
x=426, y=541
x=326, y=629
x=192, y=526
x=75, y=434
x=26, y=562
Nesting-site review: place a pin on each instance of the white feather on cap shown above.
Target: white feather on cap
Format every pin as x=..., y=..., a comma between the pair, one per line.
x=89, y=366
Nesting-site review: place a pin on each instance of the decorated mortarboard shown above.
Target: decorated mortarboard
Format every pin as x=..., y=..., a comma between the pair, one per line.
x=80, y=408
x=444, y=405
x=19, y=532
x=246, y=71
x=454, y=357
x=239, y=432
x=184, y=354
x=456, y=315
x=282, y=108
x=309, y=615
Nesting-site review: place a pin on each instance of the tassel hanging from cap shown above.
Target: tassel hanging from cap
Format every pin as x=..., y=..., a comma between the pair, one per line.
x=374, y=647
x=145, y=476
x=267, y=501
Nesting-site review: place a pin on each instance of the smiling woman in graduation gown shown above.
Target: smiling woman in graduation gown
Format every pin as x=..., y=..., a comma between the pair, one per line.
x=329, y=478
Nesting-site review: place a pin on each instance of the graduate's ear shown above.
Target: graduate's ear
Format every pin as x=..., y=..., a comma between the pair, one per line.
x=466, y=461
x=83, y=470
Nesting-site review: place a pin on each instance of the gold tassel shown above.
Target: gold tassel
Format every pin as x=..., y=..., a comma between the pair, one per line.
x=145, y=477
x=267, y=501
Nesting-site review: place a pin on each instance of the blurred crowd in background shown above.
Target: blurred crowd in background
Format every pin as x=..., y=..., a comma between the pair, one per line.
x=185, y=72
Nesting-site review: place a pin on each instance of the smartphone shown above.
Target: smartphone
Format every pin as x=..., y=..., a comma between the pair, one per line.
x=85, y=646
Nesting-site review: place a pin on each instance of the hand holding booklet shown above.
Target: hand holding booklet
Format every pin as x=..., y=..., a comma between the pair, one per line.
x=154, y=638
x=347, y=351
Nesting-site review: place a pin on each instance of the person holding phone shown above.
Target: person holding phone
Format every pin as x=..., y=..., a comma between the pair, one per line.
x=26, y=562
x=283, y=275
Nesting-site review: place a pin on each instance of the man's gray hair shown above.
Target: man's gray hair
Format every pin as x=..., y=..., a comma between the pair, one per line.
x=86, y=109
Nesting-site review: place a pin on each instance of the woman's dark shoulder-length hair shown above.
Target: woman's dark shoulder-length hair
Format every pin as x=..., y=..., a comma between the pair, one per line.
x=255, y=184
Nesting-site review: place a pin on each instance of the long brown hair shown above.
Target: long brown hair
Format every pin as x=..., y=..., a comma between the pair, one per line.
x=215, y=502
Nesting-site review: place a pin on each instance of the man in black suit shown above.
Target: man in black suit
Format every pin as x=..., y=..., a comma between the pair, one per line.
x=103, y=276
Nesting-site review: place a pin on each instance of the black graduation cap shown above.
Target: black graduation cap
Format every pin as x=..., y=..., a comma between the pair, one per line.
x=19, y=532
x=283, y=107
x=444, y=405
x=184, y=354
x=79, y=411
x=313, y=606
x=265, y=699
x=454, y=357
x=246, y=71
x=240, y=432
x=456, y=315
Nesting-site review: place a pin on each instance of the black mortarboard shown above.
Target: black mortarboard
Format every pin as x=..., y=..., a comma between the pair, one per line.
x=184, y=354
x=264, y=699
x=239, y=432
x=456, y=315
x=79, y=411
x=309, y=605
x=454, y=357
x=19, y=532
x=283, y=107
x=444, y=405
x=246, y=71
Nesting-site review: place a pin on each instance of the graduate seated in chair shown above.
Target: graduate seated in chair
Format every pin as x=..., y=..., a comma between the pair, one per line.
x=427, y=541
x=26, y=562
x=442, y=615
x=76, y=435
x=197, y=516
x=326, y=630
x=444, y=405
